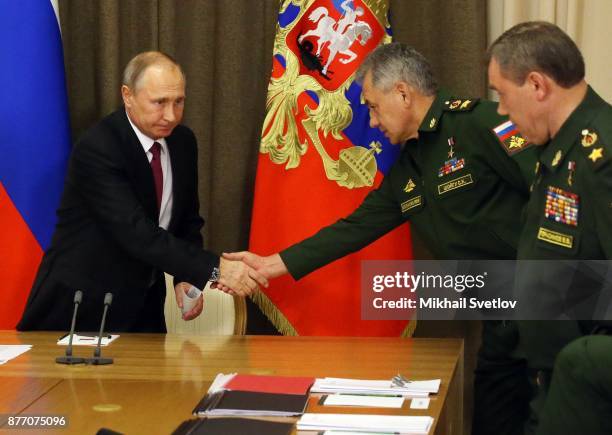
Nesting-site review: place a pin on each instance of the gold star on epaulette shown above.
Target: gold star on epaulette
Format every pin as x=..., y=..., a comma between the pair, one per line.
x=596, y=154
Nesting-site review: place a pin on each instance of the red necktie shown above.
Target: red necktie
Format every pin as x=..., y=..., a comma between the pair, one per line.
x=158, y=176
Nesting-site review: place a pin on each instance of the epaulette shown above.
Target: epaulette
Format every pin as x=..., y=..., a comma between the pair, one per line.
x=595, y=151
x=460, y=104
x=511, y=140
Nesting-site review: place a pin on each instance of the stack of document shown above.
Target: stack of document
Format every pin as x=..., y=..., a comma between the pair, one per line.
x=378, y=387
x=10, y=351
x=256, y=396
x=248, y=403
x=414, y=425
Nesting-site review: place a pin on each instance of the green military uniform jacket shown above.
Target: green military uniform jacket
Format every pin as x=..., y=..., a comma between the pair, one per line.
x=456, y=185
x=569, y=216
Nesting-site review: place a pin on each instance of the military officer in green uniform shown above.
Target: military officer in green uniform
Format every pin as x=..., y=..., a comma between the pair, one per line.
x=538, y=72
x=462, y=193
x=580, y=396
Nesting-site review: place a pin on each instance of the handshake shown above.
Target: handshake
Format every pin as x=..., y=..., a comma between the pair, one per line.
x=240, y=274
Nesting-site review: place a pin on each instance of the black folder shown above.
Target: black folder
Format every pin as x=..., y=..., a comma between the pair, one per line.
x=248, y=403
x=232, y=426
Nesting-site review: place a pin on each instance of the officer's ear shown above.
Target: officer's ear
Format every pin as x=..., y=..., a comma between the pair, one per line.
x=539, y=84
x=404, y=90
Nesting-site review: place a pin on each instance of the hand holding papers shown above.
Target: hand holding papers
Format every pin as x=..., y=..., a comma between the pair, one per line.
x=190, y=297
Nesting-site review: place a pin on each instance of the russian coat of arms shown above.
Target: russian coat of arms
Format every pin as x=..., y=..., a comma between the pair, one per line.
x=320, y=47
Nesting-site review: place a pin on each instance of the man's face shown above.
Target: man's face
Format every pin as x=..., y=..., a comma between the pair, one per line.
x=156, y=106
x=519, y=102
x=388, y=112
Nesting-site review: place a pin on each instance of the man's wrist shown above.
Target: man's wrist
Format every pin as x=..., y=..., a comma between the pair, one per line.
x=215, y=275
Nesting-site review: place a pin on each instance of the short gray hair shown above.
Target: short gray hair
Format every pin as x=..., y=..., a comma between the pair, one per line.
x=395, y=62
x=136, y=67
x=538, y=46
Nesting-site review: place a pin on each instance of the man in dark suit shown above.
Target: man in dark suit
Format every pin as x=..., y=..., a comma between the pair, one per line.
x=130, y=212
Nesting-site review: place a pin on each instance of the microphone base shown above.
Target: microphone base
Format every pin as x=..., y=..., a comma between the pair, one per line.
x=69, y=360
x=99, y=361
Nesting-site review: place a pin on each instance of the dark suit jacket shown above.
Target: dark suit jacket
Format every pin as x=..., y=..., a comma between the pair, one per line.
x=107, y=237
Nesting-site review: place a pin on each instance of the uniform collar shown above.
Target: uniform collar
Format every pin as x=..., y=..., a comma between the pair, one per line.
x=555, y=151
x=432, y=119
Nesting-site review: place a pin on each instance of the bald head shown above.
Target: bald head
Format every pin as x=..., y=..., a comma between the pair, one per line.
x=136, y=68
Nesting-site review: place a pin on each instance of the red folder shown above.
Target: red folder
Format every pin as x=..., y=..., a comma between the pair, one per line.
x=270, y=384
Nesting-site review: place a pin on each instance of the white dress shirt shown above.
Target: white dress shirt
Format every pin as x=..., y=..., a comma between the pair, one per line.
x=165, y=211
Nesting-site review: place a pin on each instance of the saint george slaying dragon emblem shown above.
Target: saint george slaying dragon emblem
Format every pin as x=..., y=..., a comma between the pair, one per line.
x=319, y=50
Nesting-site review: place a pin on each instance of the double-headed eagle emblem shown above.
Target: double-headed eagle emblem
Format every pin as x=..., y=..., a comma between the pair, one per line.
x=321, y=53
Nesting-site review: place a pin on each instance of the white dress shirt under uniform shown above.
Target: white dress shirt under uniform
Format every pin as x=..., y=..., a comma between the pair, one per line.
x=165, y=211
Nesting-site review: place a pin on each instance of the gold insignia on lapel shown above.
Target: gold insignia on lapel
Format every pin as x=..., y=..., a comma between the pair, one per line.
x=537, y=168
x=432, y=123
x=409, y=186
x=589, y=138
x=557, y=158
x=596, y=154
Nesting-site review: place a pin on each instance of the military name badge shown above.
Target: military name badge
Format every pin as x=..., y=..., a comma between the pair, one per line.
x=510, y=138
x=455, y=184
x=411, y=203
x=561, y=206
x=556, y=238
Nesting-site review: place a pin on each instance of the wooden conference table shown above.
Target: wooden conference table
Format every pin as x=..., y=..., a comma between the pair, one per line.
x=156, y=380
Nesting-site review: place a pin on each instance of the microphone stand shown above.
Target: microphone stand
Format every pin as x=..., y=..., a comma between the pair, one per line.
x=97, y=358
x=68, y=358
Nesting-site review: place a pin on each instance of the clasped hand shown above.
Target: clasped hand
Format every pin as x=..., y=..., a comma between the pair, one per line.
x=250, y=270
x=238, y=278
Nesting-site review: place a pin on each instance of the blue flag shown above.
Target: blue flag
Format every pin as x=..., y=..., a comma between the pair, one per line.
x=34, y=144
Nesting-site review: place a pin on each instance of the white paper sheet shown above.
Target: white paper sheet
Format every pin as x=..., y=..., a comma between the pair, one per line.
x=10, y=351
x=415, y=425
x=420, y=403
x=87, y=340
x=368, y=386
x=372, y=401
